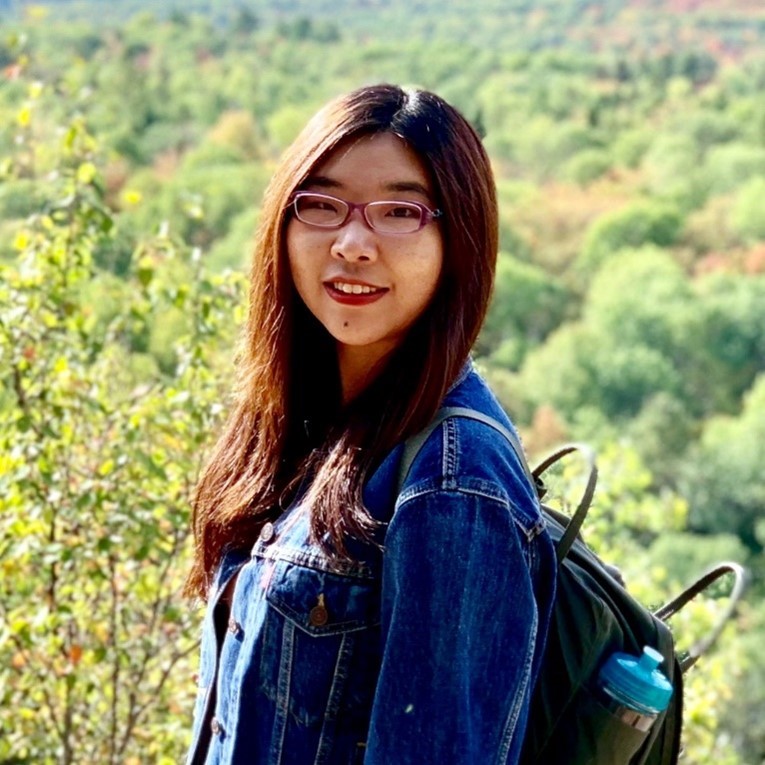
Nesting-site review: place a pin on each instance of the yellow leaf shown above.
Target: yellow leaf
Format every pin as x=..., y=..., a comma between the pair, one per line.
x=106, y=468
x=21, y=241
x=86, y=172
x=24, y=117
x=131, y=197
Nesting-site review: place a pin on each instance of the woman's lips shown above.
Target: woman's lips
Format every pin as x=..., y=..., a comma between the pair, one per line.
x=354, y=293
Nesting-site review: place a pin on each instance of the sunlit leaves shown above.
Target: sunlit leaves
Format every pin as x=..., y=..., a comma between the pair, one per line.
x=99, y=457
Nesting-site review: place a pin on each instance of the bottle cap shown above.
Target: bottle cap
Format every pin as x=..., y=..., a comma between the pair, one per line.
x=637, y=681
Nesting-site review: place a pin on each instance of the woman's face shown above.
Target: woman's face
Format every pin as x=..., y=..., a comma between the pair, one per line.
x=367, y=288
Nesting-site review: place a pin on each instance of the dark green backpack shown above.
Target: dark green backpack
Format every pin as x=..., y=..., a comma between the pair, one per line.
x=593, y=617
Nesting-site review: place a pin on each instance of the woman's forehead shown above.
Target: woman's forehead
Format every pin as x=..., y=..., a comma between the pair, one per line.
x=383, y=161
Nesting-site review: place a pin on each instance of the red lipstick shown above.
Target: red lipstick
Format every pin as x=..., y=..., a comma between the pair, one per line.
x=354, y=298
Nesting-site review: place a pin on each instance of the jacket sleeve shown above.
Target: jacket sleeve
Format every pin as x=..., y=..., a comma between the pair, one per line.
x=459, y=624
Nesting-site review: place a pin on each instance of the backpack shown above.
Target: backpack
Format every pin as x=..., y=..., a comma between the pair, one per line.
x=593, y=617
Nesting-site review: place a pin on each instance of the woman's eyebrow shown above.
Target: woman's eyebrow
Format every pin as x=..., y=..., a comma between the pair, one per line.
x=322, y=181
x=325, y=182
x=415, y=186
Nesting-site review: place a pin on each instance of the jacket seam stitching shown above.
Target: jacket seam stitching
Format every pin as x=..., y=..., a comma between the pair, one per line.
x=529, y=533
x=515, y=708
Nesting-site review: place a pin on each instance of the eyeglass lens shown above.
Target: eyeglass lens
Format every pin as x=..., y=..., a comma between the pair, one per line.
x=385, y=217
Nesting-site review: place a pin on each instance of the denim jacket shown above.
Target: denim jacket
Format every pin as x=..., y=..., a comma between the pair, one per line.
x=425, y=653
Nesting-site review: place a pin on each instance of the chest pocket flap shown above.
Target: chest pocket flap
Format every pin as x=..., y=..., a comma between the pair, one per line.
x=322, y=603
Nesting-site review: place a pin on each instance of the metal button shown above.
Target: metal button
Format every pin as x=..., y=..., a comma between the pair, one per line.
x=268, y=532
x=234, y=627
x=195, y=678
x=216, y=727
x=318, y=616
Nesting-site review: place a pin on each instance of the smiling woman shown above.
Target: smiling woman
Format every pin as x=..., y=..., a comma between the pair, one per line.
x=355, y=614
x=365, y=284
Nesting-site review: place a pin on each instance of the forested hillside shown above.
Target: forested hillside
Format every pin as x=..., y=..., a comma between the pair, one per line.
x=628, y=139
x=636, y=27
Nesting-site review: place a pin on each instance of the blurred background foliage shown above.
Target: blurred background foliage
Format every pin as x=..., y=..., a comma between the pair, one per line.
x=628, y=140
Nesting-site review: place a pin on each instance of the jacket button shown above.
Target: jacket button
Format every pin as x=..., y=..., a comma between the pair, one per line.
x=234, y=627
x=318, y=616
x=268, y=532
x=216, y=727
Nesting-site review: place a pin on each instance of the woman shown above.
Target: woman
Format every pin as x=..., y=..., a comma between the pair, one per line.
x=351, y=619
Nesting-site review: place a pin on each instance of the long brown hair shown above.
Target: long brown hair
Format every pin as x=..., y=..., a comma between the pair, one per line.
x=287, y=420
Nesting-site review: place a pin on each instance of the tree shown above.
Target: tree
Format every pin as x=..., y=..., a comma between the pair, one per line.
x=729, y=165
x=587, y=166
x=672, y=166
x=634, y=341
x=527, y=305
x=99, y=455
x=638, y=224
x=245, y=22
x=748, y=216
x=642, y=297
x=732, y=313
x=661, y=433
x=723, y=477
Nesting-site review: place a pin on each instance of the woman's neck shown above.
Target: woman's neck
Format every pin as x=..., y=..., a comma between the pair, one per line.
x=358, y=365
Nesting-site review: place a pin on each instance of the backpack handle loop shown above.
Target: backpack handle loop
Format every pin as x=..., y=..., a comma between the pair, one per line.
x=575, y=522
x=702, y=583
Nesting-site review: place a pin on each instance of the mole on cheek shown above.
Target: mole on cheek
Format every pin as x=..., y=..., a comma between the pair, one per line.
x=345, y=323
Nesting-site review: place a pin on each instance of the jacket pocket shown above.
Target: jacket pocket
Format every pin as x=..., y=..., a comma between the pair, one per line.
x=321, y=603
x=321, y=650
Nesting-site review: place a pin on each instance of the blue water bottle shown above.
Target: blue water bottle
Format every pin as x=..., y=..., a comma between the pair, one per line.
x=634, y=689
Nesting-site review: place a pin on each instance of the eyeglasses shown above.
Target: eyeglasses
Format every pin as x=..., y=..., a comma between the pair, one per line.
x=384, y=217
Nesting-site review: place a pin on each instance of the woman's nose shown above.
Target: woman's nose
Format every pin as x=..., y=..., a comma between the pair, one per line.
x=355, y=240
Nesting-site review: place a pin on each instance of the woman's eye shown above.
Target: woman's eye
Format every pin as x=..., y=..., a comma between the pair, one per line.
x=318, y=204
x=403, y=211
x=314, y=204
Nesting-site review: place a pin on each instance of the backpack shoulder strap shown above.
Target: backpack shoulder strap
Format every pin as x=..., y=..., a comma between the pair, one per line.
x=572, y=525
x=413, y=445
